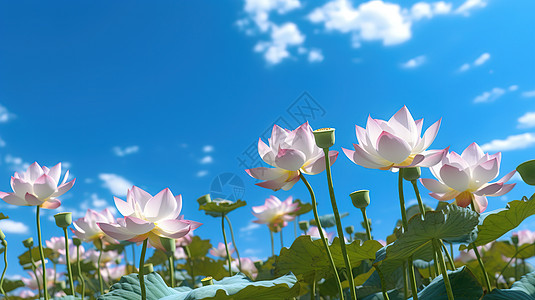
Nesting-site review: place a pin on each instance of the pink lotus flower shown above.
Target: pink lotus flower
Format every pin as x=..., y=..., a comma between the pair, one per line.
x=221, y=251
x=275, y=213
x=113, y=273
x=57, y=244
x=38, y=186
x=525, y=236
x=86, y=228
x=149, y=217
x=107, y=256
x=468, y=255
x=32, y=281
x=466, y=177
x=185, y=240
x=314, y=232
x=247, y=267
x=395, y=143
x=290, y=153
x=180, y=253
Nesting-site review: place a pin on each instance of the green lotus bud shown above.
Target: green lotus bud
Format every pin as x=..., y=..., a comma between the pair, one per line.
x=324, y=137
x=207, y=281
x=2, y=235
x=527, y=171
x=168, y=244
x=303, y=225
x=411, y=174
x=360, y=199
x=204, y=199
x=350, y=229
x=63, y=220
x=514, y=239
x=76, y=241
x=148, y=268
x=28, y=243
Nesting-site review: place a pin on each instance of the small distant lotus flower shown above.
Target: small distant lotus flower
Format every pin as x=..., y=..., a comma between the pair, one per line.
x=466, y=256
x=87, y=230
x=27, y=294
x=185, y=240
x=465, y=177
x=290, y=153
x=107, y=256
x=275, y=213
x=315, y=233
x=31, y=282
x=247, y=267
x=180, y=253
x=396, y=143
x=113, y=273
x=57, y=245
x=149, y=217
x=38, y=186
x=221, y=251
x=525, y=236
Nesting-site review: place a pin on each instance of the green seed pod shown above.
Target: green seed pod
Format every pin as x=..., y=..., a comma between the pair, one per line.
x=527, y=171
x=411, y=174
x=360, y=199
x=304, y=225
x=76, y=241
x=350, y=229
x=324, y=137
x=28, y=243
x=204, y=199
x=63, y=220
x=207, y=281
x=168, y=244
x=148, y=268
x=514, y=239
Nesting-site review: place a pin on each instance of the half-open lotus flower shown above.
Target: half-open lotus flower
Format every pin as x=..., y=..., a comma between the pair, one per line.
x=290, y=153
x=396, y=143
x=221, y=251
x=32, y=282
x=275, y=213
x=87, y=230
x=149, y=217
x=467, y=177
x=38, y=186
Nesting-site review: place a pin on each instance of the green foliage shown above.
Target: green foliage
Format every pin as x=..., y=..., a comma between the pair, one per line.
x=328, y=220
x=464, y=286
x=509, y=250
x=199, y=248
x=10, y=285
x=521, y=290
x=303, y=208
x=206, y=266
x=158, y=258
x=218, y=208
x=3, y=217
x=24, y=258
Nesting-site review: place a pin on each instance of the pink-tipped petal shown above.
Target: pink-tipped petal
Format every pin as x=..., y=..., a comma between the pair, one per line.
x=160, y=206
x=506, y=188
x=14, y=200
x=138, y=226
x=3, y=194
x=303, y=139
x=429, y=136
x=445, y=196
x=290, y=183
x=116, y=231
x=275, y=184
x=55, y=172
x=263, y=173
x=173, y=228
x=290, y=159
x=432, y=157
x=44, y=186
x=178, y=208
x=32, y=200
x=266, y=153
x=507, y=176
x=34, y=171
x=123, y=207
x=490, y=189
x=472, y=154
x=139, y=195
x=51, y=204
x=455, y=178
x=480, y=203
x=362, y=158
x=63, y=188
x=21, y=187
x=486, y=171
x=434, y=185
x=392, y=148
x=317, y=165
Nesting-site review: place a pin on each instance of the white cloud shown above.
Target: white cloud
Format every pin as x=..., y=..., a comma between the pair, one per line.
x=207, y=160
x=513, y=142
x=513, y=88
x=16, y=163
x=250, y=227
x=482, y=59
x=5, y=115
x=464, y=67
x=259, y=10
x=2, y=142
x=202, y=173
x=282, y=37
x=470, y=5
x=208, y=149
x=315, y=55
x=117, y=185
x=490, y=96
x=126, y=151
x=527, y=120
x=528, y=94
x=426, y=10
x=414, y=63
x=10, y=226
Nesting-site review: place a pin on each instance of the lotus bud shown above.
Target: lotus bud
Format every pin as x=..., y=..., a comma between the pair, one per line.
x=28, y=243
x=2, y=235
x=514, y=239
x=360, y=199
x=148, y=268
x=204, y=199
x=350, y=229
x=76, y=241
x=168, y=244
x=527, y=171
x=258, y=264
x=63, y=220
x=411, y=174
x=324, y=137
x=207, y=281
x=303, y=225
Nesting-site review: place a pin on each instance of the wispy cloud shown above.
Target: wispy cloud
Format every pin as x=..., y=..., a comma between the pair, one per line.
x=14, y=227
x=16, y=163
x=315, y=55
x=208, y=149
x=282, y=37
x=125, y=151
x=483, y=58
x=528, y=94
x=5, y=115
x=490, y=96
x=207, y=160
x=527, y=120
x=513, y=142
x=202, y=173
x=414, y=62
x=469, y=5
x=117, y=185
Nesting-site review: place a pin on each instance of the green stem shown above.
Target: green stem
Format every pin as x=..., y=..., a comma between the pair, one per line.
x=383, y=284
x=233, y=241
x=100, y=282
x=34, y=270
x=282, y=240
x=272, y=243
x=479, y=260
x=190, y=262
x=448, y=255
x=324, y=240
x=295, y=226
x=68, y=259
x=368, y=230
x=41, y=253
x=172, y=269
x=405, y=282
x=405, y=224
x=516, y=263
x=142, y=270
x=80, y=276
x=435, y=258
x=4, y=243
x=339, y=227
x=134, y=255
x=420, y=202
x=226, y=245
x=504, y=268
x=412, y=278
x=443, y=268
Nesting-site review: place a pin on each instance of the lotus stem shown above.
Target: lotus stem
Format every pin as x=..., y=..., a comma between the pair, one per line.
x=412, y=279
x=282, y=240
x=405, y=282
x=516, y=263
x=324, y=240
x=80, y=276
x=448, y=255
x=447, y=284
x=68, y=259
x=141, y=270
x=172, y=269
x=233, y=241
x=296, y=220
x=100, y=281
x=366, y=224
x=272, y=243
x=134, y=255
x=405, y=223
x=41, y=253
x=504, y=268
x=226, y=245
x=383, y=284
x=418, y=197
x=4, y=243
x=34, y=270
x=479, y=260
x=339, y=227
x=190, y=262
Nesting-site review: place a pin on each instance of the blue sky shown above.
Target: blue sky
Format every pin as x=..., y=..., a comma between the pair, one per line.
x=171, y=93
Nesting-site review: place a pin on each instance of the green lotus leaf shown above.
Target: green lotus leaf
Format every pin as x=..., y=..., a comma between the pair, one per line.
x=327, y=220
x=10, y=285
x=24, y=258
x=204, y=266
x=392, y=295
x=524, y=289
x=498, y=222
x=524, y=251
x=3, y=217
x=218, y=207
x=451, y=222
x=199, y=247
x=158, y=258
x=128, y=288
x=464, y=286
x=303, y=208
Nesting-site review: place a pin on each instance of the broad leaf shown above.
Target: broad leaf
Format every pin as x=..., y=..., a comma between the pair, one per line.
x=158, y=258
x=3, y=217
x=10, y=285
x=303, y=208
x=128, y=288
x=206, y=267
x=198, y=247
x=24, y=258
x=521, y=290
x=524, y=251
x=218, y=207
x=464, y=286
x=392, y=295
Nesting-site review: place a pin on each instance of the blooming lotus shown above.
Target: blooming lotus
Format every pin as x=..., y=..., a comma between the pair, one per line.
x=314, y=232
x=107, y=256
x=290, y=153
x=466, y=177
x=87, y=230
x=149, y=217
x=185, y=240
x=275, y=213
x=180, y=253
x=38, y=186
x=525, y=236
x=221, y=251
x=32, y=281
x=396, y=143
x=247, y=267
x=57, y=245
x=468, y=255
x=113, y=273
